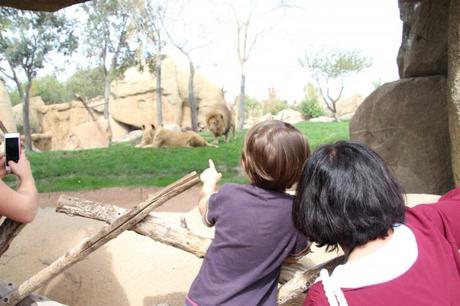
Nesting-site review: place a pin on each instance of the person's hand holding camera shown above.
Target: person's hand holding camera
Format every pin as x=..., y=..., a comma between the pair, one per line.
x=21, y=168
x=3, y=171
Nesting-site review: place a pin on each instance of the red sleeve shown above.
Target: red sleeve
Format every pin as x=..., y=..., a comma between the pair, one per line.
x=443, y=215
x=316, y=296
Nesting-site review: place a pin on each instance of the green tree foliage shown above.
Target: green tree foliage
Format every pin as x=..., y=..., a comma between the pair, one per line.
x=310, y=106
x=329, y=69
x=86, y=82
x=253, y=108
x=106, y=37
x=273, y=105
x=26, y=40
x=50, y=90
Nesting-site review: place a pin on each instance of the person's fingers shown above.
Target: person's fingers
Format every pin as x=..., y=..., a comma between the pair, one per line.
x=211, y=165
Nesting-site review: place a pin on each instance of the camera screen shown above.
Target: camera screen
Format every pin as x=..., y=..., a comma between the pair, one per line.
x=12, y=149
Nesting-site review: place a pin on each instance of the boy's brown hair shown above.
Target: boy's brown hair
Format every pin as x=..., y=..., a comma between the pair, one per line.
x=273, y=154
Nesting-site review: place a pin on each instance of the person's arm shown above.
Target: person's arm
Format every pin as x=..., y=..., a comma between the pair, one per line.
x=20, y=205
x=209, y=177
x=443, y=215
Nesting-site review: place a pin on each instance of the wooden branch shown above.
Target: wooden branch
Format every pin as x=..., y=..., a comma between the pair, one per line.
x=3, y=128
x=33, y=299
x=296, y=277
x=107, y=233
x=8, y=231
x=303, y=280
x=151, y=226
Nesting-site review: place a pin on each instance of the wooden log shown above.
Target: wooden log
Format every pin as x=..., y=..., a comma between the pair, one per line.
x=124, y=222
x=8, y=231
x=303, y=280
x=152, y=226
x=297, y=277
x=30, y=300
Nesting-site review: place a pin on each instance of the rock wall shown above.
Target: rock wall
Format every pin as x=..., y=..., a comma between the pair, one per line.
x=132, y=104
x=6, y=110
x=136, y=93
x=414, y=142
x=423, y=49
x=407, y=121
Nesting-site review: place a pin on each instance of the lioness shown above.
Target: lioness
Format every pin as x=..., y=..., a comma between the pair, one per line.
x=162, y=137
x=219, y=121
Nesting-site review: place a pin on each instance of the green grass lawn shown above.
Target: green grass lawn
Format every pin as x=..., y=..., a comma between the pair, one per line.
x=125, y=165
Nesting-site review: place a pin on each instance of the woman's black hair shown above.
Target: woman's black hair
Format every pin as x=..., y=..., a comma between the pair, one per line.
x=346, y=196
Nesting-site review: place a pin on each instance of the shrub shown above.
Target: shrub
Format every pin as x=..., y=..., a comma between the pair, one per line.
x=310, y=108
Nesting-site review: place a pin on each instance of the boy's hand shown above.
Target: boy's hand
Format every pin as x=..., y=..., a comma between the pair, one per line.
x=210, y=175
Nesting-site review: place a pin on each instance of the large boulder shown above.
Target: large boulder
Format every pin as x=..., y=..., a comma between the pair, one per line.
x=406, y=123
x=60, y=119
x=37, y=109
x=349, y=105
x=138, y=109
x=6, y=110
x=134, y=100
x=423, y=50
x=89, y=135
x=290, y=116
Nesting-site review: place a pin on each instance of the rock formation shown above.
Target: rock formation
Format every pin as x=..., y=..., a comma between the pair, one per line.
x=414, y=142
x=6, y=110
x=406, y=121
x=132, y=104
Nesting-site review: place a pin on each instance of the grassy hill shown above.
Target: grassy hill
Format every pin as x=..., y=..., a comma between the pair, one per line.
x=125, y=165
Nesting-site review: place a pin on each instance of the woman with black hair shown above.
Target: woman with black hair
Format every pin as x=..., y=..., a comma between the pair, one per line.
x=348, y=198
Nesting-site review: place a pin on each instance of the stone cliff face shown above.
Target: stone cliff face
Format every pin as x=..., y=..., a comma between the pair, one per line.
x=132, y=104
x=406, y=121
x=6, y=110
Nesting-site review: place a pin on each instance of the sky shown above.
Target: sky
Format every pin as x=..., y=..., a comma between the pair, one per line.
x=371, y=26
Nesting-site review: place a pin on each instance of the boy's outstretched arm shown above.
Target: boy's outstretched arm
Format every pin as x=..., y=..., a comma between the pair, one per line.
x=209, y=177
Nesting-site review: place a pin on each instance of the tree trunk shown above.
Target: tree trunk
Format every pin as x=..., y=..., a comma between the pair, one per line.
x=241, y=105
x=106, y=95
x=191, y=97
x=158, y=92
x=107, y=82
x=453, y=81
x=8, y=231
x=26, y=118
x=152, y=226
x=303, y=280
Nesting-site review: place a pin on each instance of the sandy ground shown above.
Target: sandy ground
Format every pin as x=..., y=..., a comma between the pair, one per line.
x=129, y=270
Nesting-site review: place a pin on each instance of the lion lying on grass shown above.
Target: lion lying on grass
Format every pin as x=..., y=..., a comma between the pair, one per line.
x=162, y=137
x=219, y=121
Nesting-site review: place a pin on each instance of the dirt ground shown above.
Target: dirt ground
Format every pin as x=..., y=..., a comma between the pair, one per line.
x=127, y=197
x=129, y=270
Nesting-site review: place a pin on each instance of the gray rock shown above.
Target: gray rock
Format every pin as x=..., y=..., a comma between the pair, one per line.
x=406, y=123
x=322, y=119
x=423, y=50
